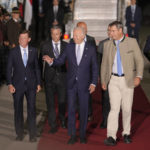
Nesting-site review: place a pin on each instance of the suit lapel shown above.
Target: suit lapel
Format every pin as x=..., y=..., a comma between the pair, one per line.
x=123, y=51
x=51, y=52
x=20, y=56
x=113, y=52
x=61, y=47
x=29, y=54
x=74, y=53
x=84, y=52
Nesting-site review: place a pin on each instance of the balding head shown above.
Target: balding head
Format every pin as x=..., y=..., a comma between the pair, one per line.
x=78, y=35
x=82, y=25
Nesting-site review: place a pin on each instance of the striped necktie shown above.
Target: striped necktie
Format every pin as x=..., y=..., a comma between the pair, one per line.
x=56, y=51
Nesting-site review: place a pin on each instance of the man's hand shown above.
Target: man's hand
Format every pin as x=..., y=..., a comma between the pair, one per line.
x=38, y=88
x=13, y=45
x=104, y=87
x=11, y=89
x=132, y=25
x=137, y=81
x=91, y=88
x=48, y=59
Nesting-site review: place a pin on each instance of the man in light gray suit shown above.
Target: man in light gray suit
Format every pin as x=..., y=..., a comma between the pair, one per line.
x=122, y=70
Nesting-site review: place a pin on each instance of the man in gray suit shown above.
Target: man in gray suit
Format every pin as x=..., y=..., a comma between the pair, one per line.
x=122, y=70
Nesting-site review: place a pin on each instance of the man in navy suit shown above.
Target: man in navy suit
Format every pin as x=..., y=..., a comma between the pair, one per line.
x=90, y=40
x=55, y=16
x=133, y=19
x=82, y=76
x=23, y=79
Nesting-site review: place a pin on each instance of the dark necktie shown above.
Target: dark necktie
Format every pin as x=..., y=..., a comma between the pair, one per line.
x=56, y=51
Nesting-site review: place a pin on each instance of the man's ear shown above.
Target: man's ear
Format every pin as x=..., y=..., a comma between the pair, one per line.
x=29, y=39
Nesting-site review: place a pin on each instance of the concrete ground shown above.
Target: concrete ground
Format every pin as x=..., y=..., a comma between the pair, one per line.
x=7, y=132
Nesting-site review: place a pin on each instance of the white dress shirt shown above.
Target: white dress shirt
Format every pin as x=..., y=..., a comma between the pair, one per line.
x=22, y=51
x=133, y=7
x=114, y=68
x=58, y=45
x=81, y=49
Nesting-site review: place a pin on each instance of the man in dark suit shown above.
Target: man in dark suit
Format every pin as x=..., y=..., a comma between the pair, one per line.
x=91, y=41
x=55, y=15
x=105, y=94
x=39, y=12
x=147, y=48
x=23, y=79
x=55, y=78
x=133, y=19
x=82, y=76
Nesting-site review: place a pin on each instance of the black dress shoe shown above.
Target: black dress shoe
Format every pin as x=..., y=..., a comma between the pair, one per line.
x=32, y=139
x=72, y=140
x=53, y=130
x=63, y=124
x=127, y=139
x=19, y=138
x=83, y=140
x=103, y=125
x=110, y=141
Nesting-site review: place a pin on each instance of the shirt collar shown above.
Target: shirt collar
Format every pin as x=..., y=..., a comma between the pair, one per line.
x=133, y=6
x=121, y=40
x=56, y=42
x=23, y=47
x=83, y=42
x=15, y=20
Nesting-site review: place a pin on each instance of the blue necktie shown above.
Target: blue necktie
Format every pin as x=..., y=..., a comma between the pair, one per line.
x=119, y=68
x=56, y=52
x=25, y=57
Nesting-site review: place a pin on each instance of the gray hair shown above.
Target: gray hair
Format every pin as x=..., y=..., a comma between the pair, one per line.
x=56, y=27
x=118, y=24
x=81, y=29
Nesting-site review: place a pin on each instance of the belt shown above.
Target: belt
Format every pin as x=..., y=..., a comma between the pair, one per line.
x=115, y=74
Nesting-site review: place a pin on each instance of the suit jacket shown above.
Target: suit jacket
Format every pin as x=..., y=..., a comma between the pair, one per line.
x=137, y=17
x=86, y=72
x=51, y=71
x=101, y=46
x=131, y=58
x=13, y=29
x=50, y=16
x=147, y=48
x=100, y=52
x=36, y=7
x=17, y=72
